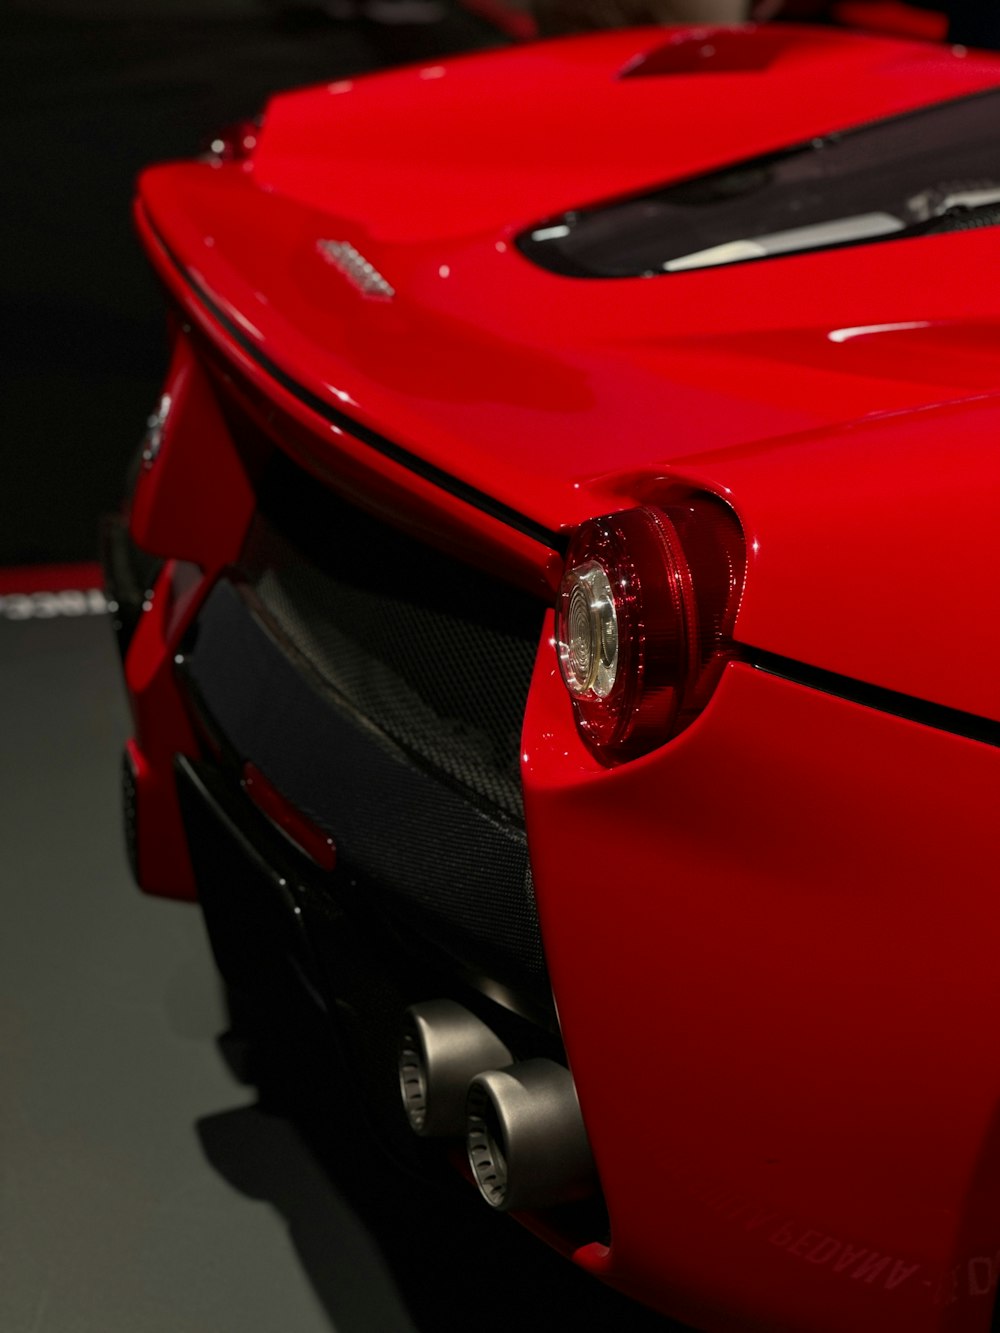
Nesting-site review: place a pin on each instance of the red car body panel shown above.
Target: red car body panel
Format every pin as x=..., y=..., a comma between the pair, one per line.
x=771, y=941
x=802, y=1124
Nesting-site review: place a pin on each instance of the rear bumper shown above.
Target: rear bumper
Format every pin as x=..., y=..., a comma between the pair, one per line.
x=775, y=979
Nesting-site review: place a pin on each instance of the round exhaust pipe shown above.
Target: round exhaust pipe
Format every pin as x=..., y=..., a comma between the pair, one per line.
x=526, y=1139
x=442, y=1047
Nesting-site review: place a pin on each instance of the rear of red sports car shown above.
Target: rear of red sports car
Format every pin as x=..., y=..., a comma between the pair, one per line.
x=558, y=606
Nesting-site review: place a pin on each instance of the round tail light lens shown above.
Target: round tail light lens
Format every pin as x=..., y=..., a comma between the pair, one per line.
x=589, y=653
x=644, y=619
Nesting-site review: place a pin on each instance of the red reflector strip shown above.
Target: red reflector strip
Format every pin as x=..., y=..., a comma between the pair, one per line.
x=299, y=830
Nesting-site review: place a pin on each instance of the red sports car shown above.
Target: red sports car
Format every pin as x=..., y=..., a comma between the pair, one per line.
x=559, y=604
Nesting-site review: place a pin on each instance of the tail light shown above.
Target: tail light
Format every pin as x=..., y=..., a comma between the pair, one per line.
x=234, y=143
x=644, y=620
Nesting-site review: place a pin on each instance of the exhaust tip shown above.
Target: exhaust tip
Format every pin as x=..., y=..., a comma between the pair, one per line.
x=413, y=1078
x=486, y=1146
x=442, y=1047
x=525, y=1137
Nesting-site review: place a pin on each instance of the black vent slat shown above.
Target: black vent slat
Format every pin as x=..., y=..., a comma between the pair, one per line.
x=435, y=654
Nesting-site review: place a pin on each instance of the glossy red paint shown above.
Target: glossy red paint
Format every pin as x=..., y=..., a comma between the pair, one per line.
x=771, y=941
x=379, y=156
x=175, y=509
x=794, y=941
x=894, y=610
x=333, y=454
x=163, y=729
x=689, y=51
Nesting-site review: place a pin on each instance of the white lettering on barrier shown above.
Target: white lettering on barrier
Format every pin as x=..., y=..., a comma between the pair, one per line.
x=73, y=602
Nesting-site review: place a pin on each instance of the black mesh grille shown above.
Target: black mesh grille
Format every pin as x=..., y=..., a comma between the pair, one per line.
x=458, y=874
x=381, y=686
x=435, y=654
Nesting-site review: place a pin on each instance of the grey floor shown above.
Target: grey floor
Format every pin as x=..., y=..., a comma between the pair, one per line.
x=143, y=1189
x=110, y=1215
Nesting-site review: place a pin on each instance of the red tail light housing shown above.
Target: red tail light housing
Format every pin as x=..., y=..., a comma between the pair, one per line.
x=236, y=142
x=644, y=620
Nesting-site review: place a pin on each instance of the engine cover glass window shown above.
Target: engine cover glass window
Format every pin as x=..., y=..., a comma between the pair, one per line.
x=934, y=170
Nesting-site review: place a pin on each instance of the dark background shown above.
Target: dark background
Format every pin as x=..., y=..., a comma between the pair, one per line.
x=90, y=93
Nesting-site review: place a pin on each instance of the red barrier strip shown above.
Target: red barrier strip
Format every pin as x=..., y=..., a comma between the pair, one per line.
x=26, y=579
